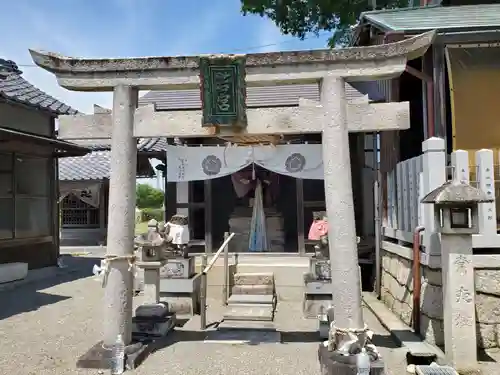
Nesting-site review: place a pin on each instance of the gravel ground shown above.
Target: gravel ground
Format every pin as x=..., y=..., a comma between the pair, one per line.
x=47, y=325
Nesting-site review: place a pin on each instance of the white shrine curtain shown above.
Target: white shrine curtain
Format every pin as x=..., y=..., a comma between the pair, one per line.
x=203, y=163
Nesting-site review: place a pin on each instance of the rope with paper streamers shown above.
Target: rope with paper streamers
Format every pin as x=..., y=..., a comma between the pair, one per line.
x=350, y=337
x=104, y=271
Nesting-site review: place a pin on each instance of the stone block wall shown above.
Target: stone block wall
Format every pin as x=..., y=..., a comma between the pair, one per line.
x=397, y=294
x=487, y=283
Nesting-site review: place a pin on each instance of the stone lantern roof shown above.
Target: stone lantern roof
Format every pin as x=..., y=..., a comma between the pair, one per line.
x=456, y=193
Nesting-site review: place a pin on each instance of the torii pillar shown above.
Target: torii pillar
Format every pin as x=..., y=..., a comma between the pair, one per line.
x=339, y=201
x=332, y=117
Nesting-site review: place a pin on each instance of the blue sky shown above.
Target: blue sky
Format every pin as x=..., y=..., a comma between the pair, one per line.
x=110, y=28
x=127, y=28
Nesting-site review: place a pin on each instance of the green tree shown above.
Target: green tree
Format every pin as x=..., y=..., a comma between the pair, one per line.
x=300, y=17
x=148, y=197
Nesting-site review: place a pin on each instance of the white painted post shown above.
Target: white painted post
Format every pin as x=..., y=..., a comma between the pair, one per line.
x=413, y=192
x=121, y=222
x=399, y=197
x=460, y=164
x=421, y=195
x=391, y=200
x=405, y=168
x=434, y=175
x=486, y=182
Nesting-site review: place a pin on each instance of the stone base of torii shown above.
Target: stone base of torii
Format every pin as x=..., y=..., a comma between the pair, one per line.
x=332, y=117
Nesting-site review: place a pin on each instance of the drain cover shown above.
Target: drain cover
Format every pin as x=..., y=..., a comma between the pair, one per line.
x=435, y=370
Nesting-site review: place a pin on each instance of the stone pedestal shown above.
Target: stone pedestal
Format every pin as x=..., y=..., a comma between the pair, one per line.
x=317, y=296
x=459, y=304
x=152, y=321
x=180, y=286
x=320, y=268
x=335, y=364
x=178, y=268
x=151, y=280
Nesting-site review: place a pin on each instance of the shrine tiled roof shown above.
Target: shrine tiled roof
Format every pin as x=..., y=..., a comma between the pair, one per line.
x=144, y=145
x=14, y=88
x=266, y=96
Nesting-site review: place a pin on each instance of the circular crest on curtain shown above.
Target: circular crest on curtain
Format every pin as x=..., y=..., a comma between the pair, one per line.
x=295, y=163
x=211, y=165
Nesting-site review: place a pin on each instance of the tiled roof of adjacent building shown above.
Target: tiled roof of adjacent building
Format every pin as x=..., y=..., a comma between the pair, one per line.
x=442, y=18
x=13, y=87
x=145, y=145
x=96, y=166
x=93, y=166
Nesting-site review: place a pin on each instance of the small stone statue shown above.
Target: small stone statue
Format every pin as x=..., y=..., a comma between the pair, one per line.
x=176, y=234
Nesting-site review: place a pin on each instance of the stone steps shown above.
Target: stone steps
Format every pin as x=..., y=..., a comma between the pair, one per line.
x=259, y=299
x=254, y=278
x=231, y=325
x=252, y=303
x=250, y=312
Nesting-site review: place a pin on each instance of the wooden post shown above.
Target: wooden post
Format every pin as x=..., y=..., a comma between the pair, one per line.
x=300, y=215
x=225, y=287
x=208, y=216
x=203, y=293
x=102, y=211
x=170, y=200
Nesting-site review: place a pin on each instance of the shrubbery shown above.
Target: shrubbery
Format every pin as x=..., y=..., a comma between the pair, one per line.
x=152, y=213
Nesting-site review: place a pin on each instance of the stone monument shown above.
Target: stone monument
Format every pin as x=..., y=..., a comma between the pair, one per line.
x=456, y=219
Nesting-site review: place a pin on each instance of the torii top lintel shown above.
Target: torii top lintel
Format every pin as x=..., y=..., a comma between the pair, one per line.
x=354, y=63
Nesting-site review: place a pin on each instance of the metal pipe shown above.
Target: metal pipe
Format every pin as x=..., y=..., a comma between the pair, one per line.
x=217, y=254
x=429, y=84
x=225, y=287
x=417, y=282
x=377, y=212
x=203, y=294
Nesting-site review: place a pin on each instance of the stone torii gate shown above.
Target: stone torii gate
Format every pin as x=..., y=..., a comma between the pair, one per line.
x=332, y=117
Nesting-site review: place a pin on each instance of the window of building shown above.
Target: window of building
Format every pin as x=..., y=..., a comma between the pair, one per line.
x=25, y=196
x=76, y=213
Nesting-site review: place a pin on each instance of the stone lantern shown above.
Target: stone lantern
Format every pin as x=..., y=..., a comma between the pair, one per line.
x=152, y=246
x=152, y=319
x=456, y=218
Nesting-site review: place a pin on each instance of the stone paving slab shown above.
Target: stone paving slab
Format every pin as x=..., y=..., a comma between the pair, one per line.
x=47, y=327
x=243, y=337
x=401, y=332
